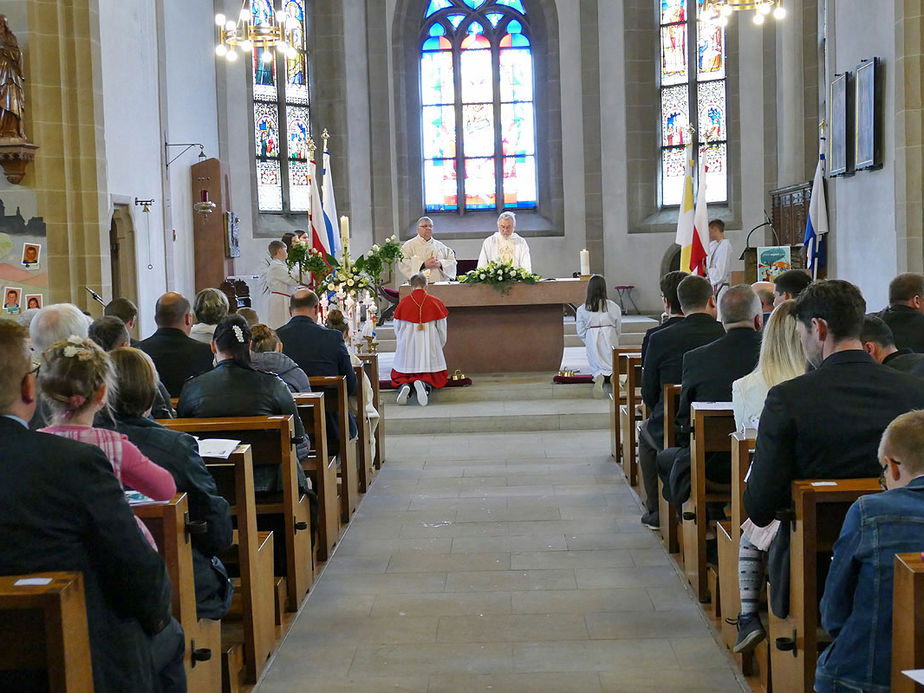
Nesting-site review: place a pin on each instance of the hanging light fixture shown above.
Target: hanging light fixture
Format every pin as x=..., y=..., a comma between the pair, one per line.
x=276, y=30
x=721, y=10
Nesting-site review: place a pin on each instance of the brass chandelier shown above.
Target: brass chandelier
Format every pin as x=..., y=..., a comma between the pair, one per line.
x=278, y=32
x=721, y=10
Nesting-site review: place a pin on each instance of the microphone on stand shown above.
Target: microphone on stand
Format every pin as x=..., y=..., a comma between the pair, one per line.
x=747, y=241
x=96, y=296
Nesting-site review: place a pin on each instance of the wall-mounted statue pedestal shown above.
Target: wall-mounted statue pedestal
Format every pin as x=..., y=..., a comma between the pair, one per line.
x=15, y=155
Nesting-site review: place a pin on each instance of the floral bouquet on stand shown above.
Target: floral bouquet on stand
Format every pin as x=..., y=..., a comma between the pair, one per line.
x=309, y=261
x=501, y=275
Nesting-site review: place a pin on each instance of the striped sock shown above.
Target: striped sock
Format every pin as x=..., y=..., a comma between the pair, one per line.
x=750, y=576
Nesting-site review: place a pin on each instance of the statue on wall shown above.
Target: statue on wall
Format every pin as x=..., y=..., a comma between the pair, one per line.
x=11, y=85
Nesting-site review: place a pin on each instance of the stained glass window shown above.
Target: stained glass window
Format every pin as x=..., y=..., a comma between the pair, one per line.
x=281, y=116
x=693, y=93
x=478, y=123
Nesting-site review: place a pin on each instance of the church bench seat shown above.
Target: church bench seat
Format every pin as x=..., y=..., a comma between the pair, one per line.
x=712, y=424
x=363, y=442
x=628, y=421
x=321, y=468
x=44, y=628
x=336, y=400
x=819, y=508
x=169, y=524
x=371, y=364
x=907, y=620
x=251, y=621
x=617, y=398
x=666, y=511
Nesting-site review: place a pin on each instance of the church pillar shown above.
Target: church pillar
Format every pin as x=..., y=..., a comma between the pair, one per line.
x=65, y=118
x=790, y=102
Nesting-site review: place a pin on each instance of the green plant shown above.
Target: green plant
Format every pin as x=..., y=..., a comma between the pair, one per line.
x=501, y=275
x=379, y=257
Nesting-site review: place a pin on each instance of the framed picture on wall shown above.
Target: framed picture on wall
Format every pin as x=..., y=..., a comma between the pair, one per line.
x=840, y=135
x=867, y=110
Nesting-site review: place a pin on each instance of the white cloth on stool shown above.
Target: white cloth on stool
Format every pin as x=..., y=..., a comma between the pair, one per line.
x=419, y=351
x=600, y=330
x=280, y=285
x=513, y=249
x=417, y=251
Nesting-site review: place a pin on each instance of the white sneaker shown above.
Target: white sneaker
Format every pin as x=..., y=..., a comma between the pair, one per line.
x=421, y=390
x=403, y=393
x=598, y=385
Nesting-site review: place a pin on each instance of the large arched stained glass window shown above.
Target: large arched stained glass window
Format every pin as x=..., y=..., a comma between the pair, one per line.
x=280, y=111
x=478, y=120
x=692, y=95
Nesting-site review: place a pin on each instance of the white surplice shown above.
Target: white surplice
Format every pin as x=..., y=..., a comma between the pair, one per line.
x=513, y=250
x=419, y=351
x=718, y=263
x=280, y=285
x=600, y=330
x=417, y=251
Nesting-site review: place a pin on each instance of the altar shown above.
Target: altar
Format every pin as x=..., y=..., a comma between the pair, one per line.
x=490, y=332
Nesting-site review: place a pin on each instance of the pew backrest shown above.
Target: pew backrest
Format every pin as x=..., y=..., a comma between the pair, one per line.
x=907, y=619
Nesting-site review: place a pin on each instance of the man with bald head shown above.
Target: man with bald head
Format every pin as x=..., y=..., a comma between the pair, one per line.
x=176, y=356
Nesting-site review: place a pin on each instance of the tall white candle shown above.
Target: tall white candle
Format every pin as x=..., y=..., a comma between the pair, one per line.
x=585, y=262
x=345, y=232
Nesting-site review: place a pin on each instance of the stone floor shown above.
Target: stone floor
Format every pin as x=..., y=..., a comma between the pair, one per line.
x=504, y=562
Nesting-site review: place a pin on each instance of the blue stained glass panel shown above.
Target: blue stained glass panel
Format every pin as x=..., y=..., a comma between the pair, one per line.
x=516, y=75
x=299, y=186
x=478, y=129
x=436, y=78
x=514, y=27
x=262, y=12
x=711, y=97
x=673, y=11
x=440, y=189
x=519, y=181
x=675, y=116
x=480, y=184
x=437, y=30
x=514, y=41
x=264, y=68
x=474, y=4
x=517, y=129
x=515, y=4
x=456, y=19
x=266, y=129
x=297, y=132
x=437, y=5
x=439, y=131
x=269, y=186
x=673, y=168
x=713, y=158
x=436, y=43
x=477, y=76
x=475, y=28
x=710, y=51
x=673, y=54
x=494, y=18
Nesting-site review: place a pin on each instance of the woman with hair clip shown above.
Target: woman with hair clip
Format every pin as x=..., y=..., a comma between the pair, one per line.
x=599, y=323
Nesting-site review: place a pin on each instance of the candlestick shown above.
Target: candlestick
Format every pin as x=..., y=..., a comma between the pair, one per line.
x=585, y=262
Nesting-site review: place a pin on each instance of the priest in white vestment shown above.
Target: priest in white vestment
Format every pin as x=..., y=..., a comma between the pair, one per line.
x=599, y=323
x=506, y=245
x=425, y=254
x=420, y=333
x=279, y=284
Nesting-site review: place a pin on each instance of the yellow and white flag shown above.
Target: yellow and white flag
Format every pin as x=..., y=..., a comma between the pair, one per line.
x=684, y=237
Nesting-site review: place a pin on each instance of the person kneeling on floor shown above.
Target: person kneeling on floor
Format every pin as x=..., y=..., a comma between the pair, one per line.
x=420, y=333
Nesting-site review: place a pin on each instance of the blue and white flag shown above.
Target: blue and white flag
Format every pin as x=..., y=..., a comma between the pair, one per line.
x=330, y=208
x=816, y=228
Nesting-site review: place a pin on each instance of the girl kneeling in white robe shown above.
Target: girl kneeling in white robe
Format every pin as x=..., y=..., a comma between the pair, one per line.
x=599, y=323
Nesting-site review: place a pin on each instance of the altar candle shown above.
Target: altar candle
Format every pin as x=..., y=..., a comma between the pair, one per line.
x=585, y=262
x=345, y=232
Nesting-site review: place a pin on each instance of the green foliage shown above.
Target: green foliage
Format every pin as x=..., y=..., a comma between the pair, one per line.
x=501, y=275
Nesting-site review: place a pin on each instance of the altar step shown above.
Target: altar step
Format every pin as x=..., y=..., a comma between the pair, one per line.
x=495, y=402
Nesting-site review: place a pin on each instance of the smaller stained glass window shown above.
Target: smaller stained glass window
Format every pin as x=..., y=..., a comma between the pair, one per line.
x=520, y=181
x=710, y=51
x=675, y=116
x=269, y=186
x=673, y=54
x=266, y=129
x=673, y=167
x=673, y=11
x=711, y=97
x=297, y=129
x=440, y=187
x=480, y=184
x=262, y=11
x=713, y=158
x=299, y=186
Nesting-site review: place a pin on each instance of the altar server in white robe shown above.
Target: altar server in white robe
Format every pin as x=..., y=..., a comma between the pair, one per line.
x=599, y=324
x=279, y=284
x=718, y=260
x=425, y=254
x=506, y=245
x=420, y=333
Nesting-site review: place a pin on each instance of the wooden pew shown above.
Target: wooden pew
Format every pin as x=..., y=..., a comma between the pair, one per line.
x=321, y=468
x=712, y=424
x=627, y=419
x=371, y=364
x=270, y=438
x=335, y=391
x=617, y=398
x=172, y=530
x=819, y=507
x=363, y=443
x=44, y=627
x=252, y=553
x=666, y=512
x=907, y=620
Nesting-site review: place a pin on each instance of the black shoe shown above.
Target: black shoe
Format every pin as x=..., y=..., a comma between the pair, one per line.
x=652, y=520
x=750, y=632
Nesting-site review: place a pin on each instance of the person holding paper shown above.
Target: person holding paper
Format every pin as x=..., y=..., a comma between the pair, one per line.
x=506, y=245
x=425, y=254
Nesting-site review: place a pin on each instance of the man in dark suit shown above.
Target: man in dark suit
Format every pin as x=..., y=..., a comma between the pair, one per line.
x=879, y=343
x=708, y=374
x=672, y=309
x=824, y=424
x=317, y=350
x=663, y=364
x=64, y=510
x=905, y=314
x=176, y=356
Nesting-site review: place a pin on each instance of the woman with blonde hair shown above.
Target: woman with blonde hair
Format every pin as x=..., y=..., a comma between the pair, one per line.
x=782, y=358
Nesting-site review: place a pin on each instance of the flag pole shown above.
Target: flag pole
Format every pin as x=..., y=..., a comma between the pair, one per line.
x=821, y=155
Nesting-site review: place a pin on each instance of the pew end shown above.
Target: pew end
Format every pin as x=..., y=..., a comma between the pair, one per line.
x=907, y=621
x=336, y=400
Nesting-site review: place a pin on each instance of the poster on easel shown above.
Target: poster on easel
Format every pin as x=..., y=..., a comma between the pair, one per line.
x=772, y=261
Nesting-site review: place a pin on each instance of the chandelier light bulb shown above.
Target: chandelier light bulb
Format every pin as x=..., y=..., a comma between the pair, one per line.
x=779, y=12
x=229, y=25
x=219, y=20
x=245, y=14
x=291, y=52
x=281, y=46
x=221, y=50
x=280, y=16
x=246, y=45
x=231, y=56
x=267, y=56
x=726, y=11
x=764, y=8
x=722, y=21
x=758, y=18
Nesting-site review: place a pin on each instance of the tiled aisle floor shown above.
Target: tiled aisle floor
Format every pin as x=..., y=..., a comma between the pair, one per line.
x=509, y=563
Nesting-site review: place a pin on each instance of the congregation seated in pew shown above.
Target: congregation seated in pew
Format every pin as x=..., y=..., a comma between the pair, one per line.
x=266, y=355
x=789, y=284
x=64, y=510
x=905, y=313
x=673, y=313
x=209, y=308
x=822, y=425
x=178, y=453
x=856, y=608
x=879, y=342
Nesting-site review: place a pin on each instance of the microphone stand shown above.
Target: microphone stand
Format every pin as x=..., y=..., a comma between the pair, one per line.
x=747, y=240
x=96, y=296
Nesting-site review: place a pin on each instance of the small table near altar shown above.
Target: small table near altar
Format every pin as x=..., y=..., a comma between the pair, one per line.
x=491, y=332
